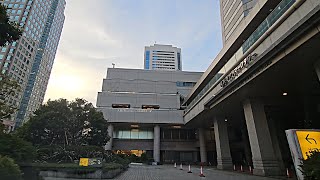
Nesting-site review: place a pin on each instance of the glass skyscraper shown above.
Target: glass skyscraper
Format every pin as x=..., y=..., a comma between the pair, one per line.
x=29, y=60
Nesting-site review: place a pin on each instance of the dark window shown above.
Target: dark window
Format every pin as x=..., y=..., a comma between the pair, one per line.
x=150, y=107
x=120, y=105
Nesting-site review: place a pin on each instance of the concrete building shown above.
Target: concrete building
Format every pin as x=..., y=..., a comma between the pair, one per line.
x=29, y=60
x=264, y=81
x=232, y=13
x=143, y=108
x=162, y=57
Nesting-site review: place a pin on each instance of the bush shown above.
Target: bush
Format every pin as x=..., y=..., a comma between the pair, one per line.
x=8, y=169
x=16, y=148
x=311, y=166
x=58, y=154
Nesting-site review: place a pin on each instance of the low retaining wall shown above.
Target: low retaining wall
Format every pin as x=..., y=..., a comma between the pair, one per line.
x=95, y=174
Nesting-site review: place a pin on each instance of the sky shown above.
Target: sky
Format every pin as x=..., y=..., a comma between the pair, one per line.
x=97, y=33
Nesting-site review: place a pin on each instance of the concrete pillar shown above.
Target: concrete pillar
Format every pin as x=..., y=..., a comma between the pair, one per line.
x=108, y=146
x=263, y=157
x=156, y=143
x=276, y=146
x=224, y=159
x=317, y=67
x=202, y=142
x=246, y=146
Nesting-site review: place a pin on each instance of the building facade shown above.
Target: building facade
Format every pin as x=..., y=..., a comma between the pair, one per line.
x=264, y=81
x=29, y=60
x=144, y=110
x=232, y=13
x=162, y=57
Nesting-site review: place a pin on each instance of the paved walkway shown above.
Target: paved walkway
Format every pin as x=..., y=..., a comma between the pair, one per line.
x=164, y=172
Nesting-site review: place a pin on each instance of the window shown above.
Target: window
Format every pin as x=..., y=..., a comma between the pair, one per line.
x=150, y=107
x=146, y=66
x=120, y=105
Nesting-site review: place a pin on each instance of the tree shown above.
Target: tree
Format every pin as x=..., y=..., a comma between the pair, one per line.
x=9, y=31
x=16, y=148
x=311, y=166
x=8, y=169
x=65, y=123
x=8, y=88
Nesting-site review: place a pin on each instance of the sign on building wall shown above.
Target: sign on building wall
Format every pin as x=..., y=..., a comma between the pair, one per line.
x=301, y=143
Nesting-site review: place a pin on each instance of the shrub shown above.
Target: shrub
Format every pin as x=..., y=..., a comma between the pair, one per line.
x=16, y=148
x=311, y=166
x=67, y=154
x=8, y=169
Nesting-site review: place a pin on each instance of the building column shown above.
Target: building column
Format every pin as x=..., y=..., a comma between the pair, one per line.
x=108, y=146
x=263, y=156
x=276, y=146
x=156, y=143
x=246, y=146
x=224, y=159
x=317, y=68
x=202, y=142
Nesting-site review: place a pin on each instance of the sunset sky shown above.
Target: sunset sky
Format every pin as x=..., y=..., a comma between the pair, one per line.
x=98, y=33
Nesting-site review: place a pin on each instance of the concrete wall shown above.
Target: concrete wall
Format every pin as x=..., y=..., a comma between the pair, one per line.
x=165, y=101
x=142, y=116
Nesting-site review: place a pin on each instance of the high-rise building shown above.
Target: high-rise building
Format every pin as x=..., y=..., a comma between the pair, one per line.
x=29, y=60
x=162, y=57
x=232, y=13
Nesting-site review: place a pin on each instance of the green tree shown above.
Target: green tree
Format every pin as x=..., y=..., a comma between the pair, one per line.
x=16, y=148
x=311, y=166
x=8, y=169
x=9, y=31
x=8, y=88
x=65, y=123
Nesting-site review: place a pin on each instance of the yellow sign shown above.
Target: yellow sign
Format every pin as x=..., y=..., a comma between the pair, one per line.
x=84, y=162
x=309, y=141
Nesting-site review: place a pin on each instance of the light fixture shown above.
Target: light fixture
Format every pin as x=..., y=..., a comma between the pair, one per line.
x=177, y=127
x=225, y=119
x=284, y=94
x=134, y=125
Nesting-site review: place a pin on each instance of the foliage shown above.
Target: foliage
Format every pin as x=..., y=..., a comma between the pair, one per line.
x=9, y=31
x=16, y=148
x=311, y=166
x=65, y=123
x=8, y=88
x=8, y=169
x=117, y=158
x=60, y=154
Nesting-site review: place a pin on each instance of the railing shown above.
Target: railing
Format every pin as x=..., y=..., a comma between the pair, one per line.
x=280, y=9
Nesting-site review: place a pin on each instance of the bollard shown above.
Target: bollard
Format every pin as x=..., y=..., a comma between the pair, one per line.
x=234, y=167
x=241, y=168
x=189, y=169
x=250, y=169
x=175, y=165
x=181, y=167
x=201, y=172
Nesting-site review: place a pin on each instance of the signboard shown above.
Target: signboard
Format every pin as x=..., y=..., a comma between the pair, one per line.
x=308, y=141
x=95, y=162
x=84, y=162
x=301, y=142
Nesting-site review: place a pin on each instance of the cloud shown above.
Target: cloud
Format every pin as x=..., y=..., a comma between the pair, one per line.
x=98, y=33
